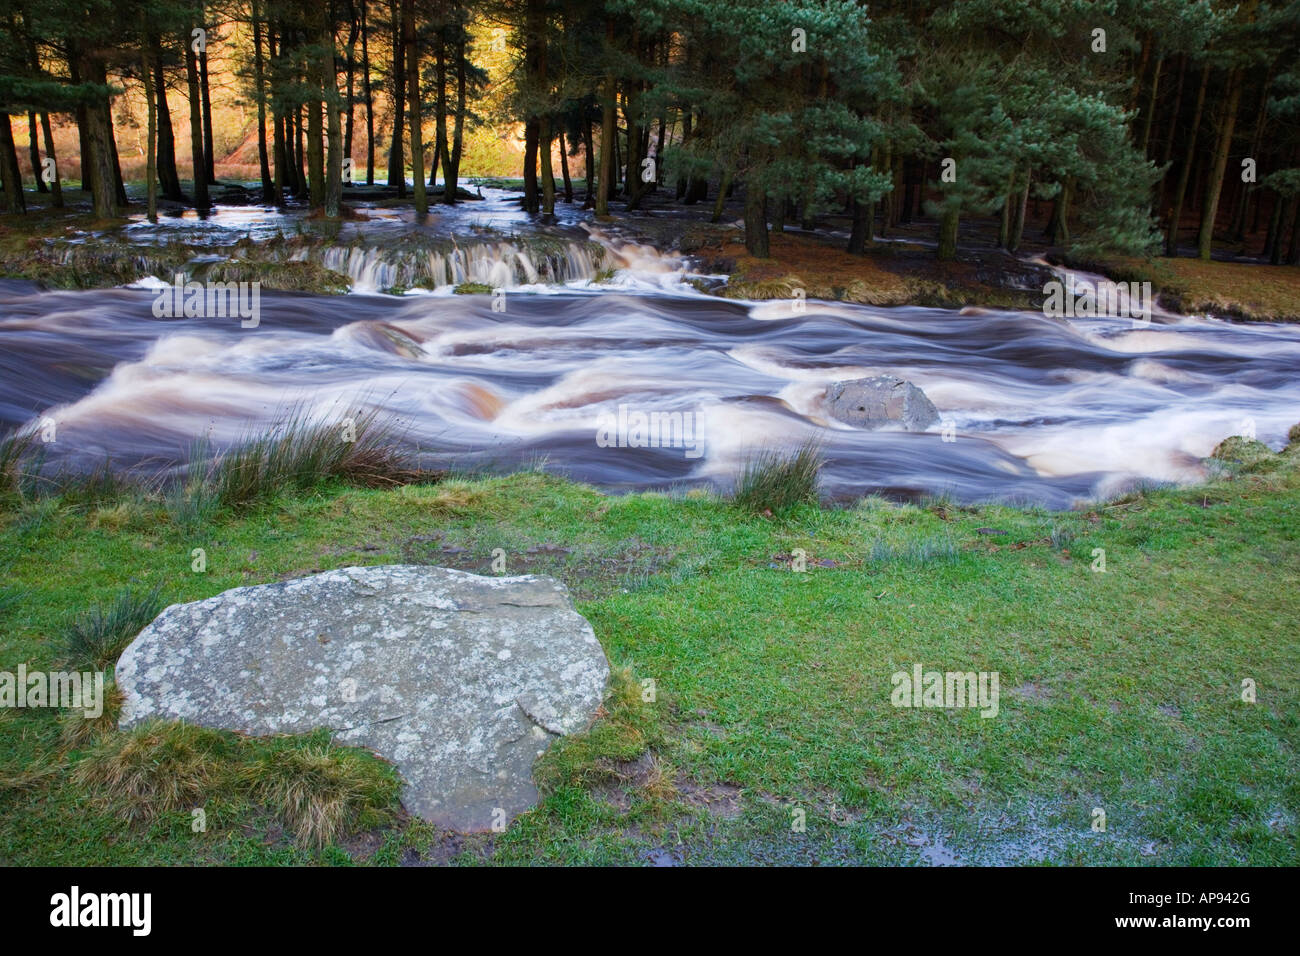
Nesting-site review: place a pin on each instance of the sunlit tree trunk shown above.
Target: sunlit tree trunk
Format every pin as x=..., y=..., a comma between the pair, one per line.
x=413, y=108
x=396, y=163
x=201, y=200
x=370, y=100
x=151, y=141
x=259, y=87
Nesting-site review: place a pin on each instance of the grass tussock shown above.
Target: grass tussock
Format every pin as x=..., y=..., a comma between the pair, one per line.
x=774, y=480
x=319, y=791
x=322, y=791
x=79, y=731
x=300, y=455
x=158, y=768
x=921, y=551
x=94, y=639
x=15, y=448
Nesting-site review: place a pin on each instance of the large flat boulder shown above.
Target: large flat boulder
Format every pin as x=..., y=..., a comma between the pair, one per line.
x=460, y=680
x=880, y=401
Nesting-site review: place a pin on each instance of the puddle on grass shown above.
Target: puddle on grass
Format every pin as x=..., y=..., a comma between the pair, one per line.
x=1036, y=834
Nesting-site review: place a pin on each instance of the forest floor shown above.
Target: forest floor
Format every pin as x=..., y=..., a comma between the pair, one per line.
x=771, y=736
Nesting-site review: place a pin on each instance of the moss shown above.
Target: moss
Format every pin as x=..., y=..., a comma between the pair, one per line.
x=1244, y=454
x=304, y=276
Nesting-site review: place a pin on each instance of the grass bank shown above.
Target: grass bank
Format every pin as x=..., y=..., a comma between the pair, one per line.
x=1245, y=291
x=771, y=736
x=889, y=274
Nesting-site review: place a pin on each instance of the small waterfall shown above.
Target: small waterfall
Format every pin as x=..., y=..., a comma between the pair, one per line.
x=494, y=264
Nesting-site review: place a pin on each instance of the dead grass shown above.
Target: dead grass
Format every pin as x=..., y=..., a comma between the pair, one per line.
x=157, y=768
x=1240, y=290
x=322, y=791
x=885, y=276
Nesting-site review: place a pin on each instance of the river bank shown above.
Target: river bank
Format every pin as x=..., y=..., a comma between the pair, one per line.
x=68, y=249
x=1121, y=679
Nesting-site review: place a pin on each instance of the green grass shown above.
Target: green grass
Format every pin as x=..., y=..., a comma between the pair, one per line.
x=746, y=694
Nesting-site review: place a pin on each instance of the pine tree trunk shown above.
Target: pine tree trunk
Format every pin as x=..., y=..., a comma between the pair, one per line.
x=169, y=179
x=1214, y=187
x=209, y=158
x=333, y=124
x=532, y=196
x=564, y=167
x=15, y=203
x=948, y=223
x=415, y=116
x=1293, y=254
x=1021, y=208
x=97, y=165
x=1168, y=150
x=589, y=164
x=34, y=153
x=119, y=187
x=756, y=237
x=1151, y=106
x=632, y=183
x=534, y=52
x=450, y=196
x=315, y=147
x=1256, y=141
x=259, y=92
x=683, y=180
x=370, y=100
x=351, y=81
x=396, y=164
x=439, y=113
x=608, y=132
x=279, y=147
x=201, y=200
x=151, y=142
x=1185, y=174
x=546, y=141
x=56, y=184
x=858, y=235
x=1058, y=227
x=299, y=156
x=1273, y=241
x=719, y=204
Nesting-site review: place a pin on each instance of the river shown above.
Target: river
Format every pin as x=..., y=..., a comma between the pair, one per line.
x=1038, y=410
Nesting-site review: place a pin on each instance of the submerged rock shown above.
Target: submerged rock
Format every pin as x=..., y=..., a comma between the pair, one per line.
x=460, y=680
x=879, y=401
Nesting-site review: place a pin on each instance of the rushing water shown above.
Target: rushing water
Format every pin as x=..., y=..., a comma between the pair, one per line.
x=1045, y=410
